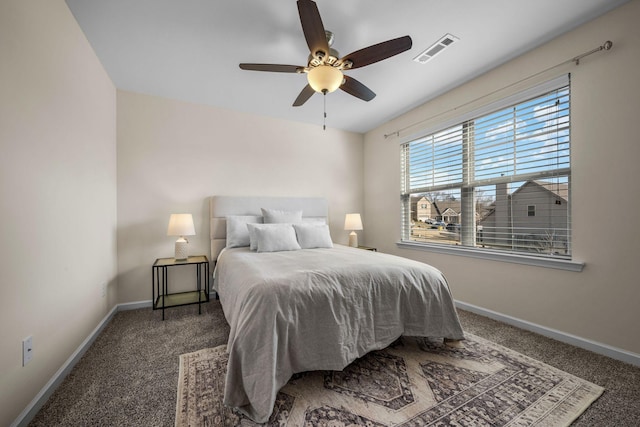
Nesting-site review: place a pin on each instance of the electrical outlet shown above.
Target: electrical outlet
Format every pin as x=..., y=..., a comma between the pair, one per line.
x=104, y=289
x=27, y=350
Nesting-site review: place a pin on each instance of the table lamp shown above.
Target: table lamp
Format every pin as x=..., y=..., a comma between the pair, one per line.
x=353, y=222
x=181, y=225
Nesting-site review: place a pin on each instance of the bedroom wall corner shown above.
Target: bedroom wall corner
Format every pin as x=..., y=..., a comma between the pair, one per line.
x=172, y=156
x=600, y=303
x=58, y=196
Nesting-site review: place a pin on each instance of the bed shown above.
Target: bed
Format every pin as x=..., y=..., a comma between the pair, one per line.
x=318, y=306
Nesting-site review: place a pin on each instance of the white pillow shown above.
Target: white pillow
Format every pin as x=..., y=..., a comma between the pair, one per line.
x=253, y=238
x=237, y=232
x=274, y=216
x=313, y=235
x=314, y=220
x=274, y=237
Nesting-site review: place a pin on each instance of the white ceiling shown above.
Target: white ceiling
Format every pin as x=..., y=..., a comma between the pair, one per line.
x=190, y=49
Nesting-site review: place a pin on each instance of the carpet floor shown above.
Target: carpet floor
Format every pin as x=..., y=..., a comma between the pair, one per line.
x=129, y=376
x=414, y=382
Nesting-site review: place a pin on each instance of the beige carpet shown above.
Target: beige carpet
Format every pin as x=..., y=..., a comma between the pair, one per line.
x=414, y=382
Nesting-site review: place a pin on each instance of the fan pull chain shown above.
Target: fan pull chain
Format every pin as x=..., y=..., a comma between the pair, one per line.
x=324, y=101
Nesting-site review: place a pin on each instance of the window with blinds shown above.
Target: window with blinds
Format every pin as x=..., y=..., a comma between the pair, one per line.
x=498, y=178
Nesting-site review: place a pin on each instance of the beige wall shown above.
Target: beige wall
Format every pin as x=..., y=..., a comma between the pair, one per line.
x=57, y=194
x=601, y=303
x=173, y=155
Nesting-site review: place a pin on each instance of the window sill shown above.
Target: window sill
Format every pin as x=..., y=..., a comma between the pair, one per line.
x=560, y=264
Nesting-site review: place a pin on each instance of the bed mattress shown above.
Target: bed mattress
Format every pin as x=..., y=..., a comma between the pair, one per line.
x=320, y=309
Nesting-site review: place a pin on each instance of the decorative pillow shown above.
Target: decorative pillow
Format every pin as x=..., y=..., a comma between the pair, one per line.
x=274, y=237
x=253, y=238
x=274, y=216
x=314, y=220
x=313, y=235
x=237, y=232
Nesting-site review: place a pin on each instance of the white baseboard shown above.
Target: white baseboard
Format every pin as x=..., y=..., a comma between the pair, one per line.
x=596, y=347
x=134, y=305
x=147, y=303
x=34, y=406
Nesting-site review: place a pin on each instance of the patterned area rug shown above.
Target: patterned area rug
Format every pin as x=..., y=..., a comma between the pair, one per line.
x=413, y=382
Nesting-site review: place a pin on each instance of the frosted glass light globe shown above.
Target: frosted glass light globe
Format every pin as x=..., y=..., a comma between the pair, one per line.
x=324, y=78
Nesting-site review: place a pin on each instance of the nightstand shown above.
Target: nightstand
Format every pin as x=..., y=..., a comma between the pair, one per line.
x=368, y=248
x=160, y=283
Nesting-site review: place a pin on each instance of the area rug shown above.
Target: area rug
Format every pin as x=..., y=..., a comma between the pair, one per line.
x=414, y=382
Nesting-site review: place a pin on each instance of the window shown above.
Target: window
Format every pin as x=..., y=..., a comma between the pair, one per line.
x=496, y=179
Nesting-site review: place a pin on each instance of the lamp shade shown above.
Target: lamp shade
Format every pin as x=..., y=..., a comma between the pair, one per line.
x=181, y=225
x=353, y=222
x=324, y=78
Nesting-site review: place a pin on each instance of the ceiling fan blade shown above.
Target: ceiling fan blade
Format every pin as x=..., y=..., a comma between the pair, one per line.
x=312, y=26
x=304, y=96
x=277, y=68
x=378, y=52
x=357, y=89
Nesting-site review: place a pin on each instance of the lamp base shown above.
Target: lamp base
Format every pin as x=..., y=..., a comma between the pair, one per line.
x=182, y=249
x=353, y=239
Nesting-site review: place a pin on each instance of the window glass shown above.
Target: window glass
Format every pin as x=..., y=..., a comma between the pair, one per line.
x=498, y=181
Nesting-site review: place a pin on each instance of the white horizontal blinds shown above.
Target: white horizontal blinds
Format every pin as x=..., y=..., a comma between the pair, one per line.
x=500, y=179
x=524, y=150
x=528, y=139
x=526, y=216
x=541, y=216
x=435, y=161
x=405, y=199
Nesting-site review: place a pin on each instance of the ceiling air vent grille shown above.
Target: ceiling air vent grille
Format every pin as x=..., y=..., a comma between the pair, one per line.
x=428, y=54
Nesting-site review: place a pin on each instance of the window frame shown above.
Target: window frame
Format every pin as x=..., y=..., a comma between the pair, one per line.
x=469, y=250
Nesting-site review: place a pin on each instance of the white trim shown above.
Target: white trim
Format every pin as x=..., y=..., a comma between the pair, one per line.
x=536, y=261
x=596, y=347
x=41, y=398
x=134, y=305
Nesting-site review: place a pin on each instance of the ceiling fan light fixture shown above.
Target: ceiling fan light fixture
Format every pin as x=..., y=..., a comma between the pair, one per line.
x=325, y=78
x=325, y=66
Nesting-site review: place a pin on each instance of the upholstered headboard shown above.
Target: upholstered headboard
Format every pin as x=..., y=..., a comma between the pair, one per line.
x=313, y=208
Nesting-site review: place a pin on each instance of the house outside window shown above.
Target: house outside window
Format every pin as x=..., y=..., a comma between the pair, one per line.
x=496, y=179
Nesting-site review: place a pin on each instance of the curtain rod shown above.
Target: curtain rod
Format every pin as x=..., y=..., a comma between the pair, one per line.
x=576, y=59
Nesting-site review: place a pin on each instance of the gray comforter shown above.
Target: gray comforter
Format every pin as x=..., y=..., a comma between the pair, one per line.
x=320, y=309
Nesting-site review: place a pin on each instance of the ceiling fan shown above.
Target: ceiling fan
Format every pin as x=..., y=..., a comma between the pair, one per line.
x=325, y=67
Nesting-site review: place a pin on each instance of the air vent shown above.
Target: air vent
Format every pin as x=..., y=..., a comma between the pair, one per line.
x=428, y=54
